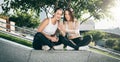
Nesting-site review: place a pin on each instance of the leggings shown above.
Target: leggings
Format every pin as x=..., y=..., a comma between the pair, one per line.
x=81, y=42
x=40, y=40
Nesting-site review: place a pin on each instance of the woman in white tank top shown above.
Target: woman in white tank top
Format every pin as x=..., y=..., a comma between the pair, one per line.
x=47, y=28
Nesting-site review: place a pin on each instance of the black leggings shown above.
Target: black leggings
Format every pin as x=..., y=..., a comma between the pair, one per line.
x=40, y=40
x=81, y=42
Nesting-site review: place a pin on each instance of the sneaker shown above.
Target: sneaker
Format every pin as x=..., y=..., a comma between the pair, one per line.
x=84, y=48
x=69, y=48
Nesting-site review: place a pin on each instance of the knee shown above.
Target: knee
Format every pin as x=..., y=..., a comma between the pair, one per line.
x=61, y=37
x=88, y=38
x=37, y=45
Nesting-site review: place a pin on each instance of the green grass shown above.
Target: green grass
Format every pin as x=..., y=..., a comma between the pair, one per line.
x=104, y=53
x=16, y=39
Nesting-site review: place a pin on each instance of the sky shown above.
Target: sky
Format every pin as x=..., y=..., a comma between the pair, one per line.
x=1, y=1
x=110, y=23
x=104, y=23
x=116, y=12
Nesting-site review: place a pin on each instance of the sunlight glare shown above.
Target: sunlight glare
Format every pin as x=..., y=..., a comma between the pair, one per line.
x=115, y=11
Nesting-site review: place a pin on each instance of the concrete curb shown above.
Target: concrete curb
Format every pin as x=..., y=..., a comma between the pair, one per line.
x=14, y=52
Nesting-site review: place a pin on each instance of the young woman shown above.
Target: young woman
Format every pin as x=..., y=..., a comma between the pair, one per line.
x=71, y=30
x=46, y=33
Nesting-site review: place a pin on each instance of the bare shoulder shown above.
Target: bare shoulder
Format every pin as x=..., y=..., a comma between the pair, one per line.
x=45, y=20
x=43, y=24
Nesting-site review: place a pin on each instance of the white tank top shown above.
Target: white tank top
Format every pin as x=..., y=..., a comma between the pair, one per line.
x=50, y=29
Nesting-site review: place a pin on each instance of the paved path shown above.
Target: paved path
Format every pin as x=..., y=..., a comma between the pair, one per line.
x=13, y=52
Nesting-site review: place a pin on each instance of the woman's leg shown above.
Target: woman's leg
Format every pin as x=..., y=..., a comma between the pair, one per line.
x=39, y=40
x=37, y=44
x=67, y=42
x=87, y=39
x=78, y=41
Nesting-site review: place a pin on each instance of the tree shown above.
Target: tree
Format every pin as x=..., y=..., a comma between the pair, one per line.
x=25, y=20
x=95, y=8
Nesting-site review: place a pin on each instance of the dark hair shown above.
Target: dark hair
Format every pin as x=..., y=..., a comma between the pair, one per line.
x=71, y=15
x=57, y=9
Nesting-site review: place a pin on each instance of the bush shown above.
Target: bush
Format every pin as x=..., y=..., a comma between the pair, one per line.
x=111, y=42
x=117, y=47
x=105, y=39
x=16, y=39
x=97, y=35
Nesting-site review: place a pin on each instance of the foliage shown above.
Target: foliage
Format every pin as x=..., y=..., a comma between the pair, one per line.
x=96, y=8
x=25, y=5
x=107, y=40
x=110, y=42
x=15, y=39
x=25, y=20
x=117, y=46
x=97, y=35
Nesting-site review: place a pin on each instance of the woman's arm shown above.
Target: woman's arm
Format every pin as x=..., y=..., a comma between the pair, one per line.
x=76, y=28
x=61, y=28
x=42, y=26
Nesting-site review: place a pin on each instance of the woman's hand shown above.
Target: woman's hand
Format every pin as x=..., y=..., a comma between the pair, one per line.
x=54, y=39
x=61, y=27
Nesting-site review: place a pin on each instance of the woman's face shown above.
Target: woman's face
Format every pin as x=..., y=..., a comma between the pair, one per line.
x=67, y=15
x=58, y=14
